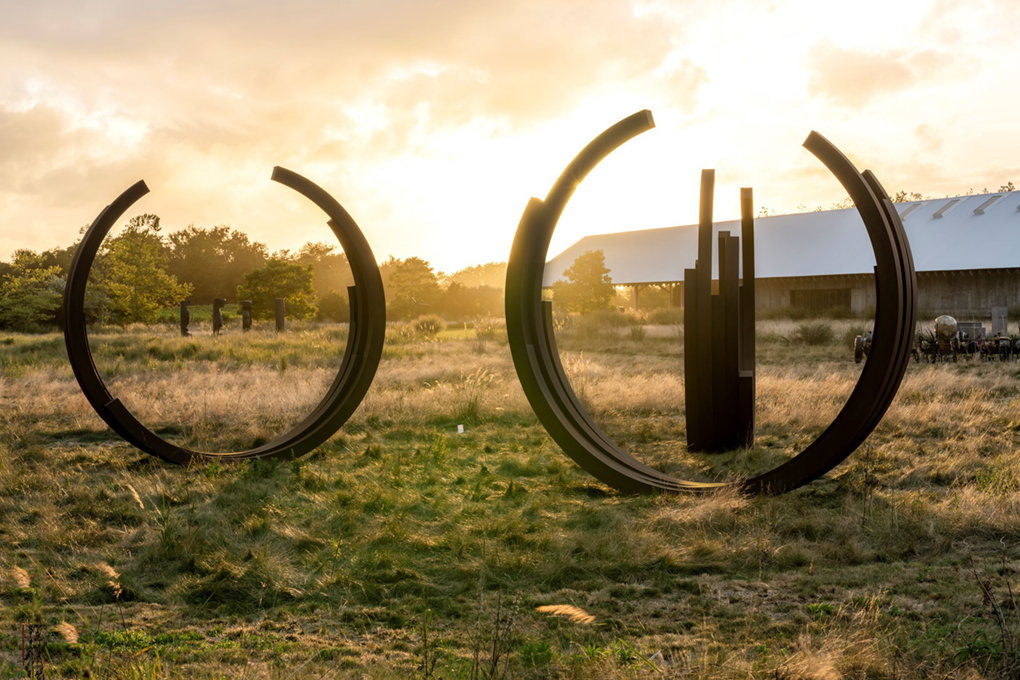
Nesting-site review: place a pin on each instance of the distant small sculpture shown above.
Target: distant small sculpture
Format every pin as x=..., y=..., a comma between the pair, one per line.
x=217, y=315
x=246, y=315
x=280, y=313
x=185, y=318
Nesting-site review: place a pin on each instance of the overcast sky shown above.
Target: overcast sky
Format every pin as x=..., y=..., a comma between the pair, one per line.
x=434, y=122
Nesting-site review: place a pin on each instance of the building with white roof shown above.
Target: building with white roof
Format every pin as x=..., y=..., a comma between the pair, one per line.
x=966, y=252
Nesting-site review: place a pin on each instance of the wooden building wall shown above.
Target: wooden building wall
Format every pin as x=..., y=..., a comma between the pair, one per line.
x=965, y=294
x=971, y=293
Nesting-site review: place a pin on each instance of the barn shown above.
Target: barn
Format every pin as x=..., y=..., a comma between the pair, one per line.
x=966, y=252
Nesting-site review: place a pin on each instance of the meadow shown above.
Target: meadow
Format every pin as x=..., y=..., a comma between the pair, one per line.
x=402, y=548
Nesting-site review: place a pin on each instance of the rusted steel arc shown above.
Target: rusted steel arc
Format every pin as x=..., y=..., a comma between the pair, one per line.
x=896, y=307
x=533, y=345
x=357, y=367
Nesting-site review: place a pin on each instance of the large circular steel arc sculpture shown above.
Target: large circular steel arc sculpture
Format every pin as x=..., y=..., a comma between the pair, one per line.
x=536, y=358
x=357, y=368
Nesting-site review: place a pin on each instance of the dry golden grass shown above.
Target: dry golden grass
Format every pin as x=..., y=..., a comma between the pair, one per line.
x=568, y=611
x=327, y=565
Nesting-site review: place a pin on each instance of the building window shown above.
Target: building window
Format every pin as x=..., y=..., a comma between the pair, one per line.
x=823, y=298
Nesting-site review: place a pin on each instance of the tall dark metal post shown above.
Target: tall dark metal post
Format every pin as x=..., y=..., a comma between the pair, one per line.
x=745, y=337
x=185, y=318
x=279, y=307
x=718, y=357
x=703, y=310
x=246, y=315
x=217, y=315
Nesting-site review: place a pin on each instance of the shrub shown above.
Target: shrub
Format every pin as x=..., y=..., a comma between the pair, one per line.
x=429, y=325
x=402, y=332
x=611, y=318
x=803, y=313
x=814, y=333
x=333, y=306
x=638, y=333
x=850, y=335
x=491, y=329
x=666, y=317
x=590, y=328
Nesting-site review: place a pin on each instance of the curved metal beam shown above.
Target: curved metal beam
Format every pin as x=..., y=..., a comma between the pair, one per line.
x=355, y=373
x=536, y=358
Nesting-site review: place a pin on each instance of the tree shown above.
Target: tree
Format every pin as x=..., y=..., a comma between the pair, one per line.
x=413, y=289
x=332, y=271
x=588, y=286
x=132, y=272
x=491, y=274
x=30, y=294
x=906, y=197
x=280, y=279
x=458, y=302
x=213, y=260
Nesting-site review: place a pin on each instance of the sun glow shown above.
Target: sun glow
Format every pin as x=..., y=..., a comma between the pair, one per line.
x=435, y=129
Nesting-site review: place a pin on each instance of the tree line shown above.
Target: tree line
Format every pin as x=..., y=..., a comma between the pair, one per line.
x=142, y=271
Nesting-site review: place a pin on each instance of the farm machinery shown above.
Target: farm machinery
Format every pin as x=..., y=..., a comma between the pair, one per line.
x=948, y=340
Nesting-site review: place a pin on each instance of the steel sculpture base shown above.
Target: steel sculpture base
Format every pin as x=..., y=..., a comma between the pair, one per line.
x=536, y=358
x=719, y=334
x=356, y=370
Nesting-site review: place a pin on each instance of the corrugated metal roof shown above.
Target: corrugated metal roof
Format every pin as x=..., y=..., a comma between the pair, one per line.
x=946, y=234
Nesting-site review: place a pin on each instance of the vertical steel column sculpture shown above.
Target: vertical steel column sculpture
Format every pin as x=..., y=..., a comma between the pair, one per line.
x=185, y=318
x=217, y=315
x=536, y=358
x=354, y=375
x=280, y=309
x=719, y=334
x=245, y=315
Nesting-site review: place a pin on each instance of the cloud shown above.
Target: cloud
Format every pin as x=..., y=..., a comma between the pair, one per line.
x=852, y=78
x=928, y=137
x=682, y=85
x=432, y=122
x=94, y=95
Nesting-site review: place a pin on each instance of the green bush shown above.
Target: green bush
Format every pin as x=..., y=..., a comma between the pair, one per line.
x=666, y=317
x=429, y=325
x=850, y=336
x=333, y=306
x=817, y=333
x=401, y=332
x=638, y=333
x=491, y=329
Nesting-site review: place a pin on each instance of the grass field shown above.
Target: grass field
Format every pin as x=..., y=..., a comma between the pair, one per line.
x=404, y=549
